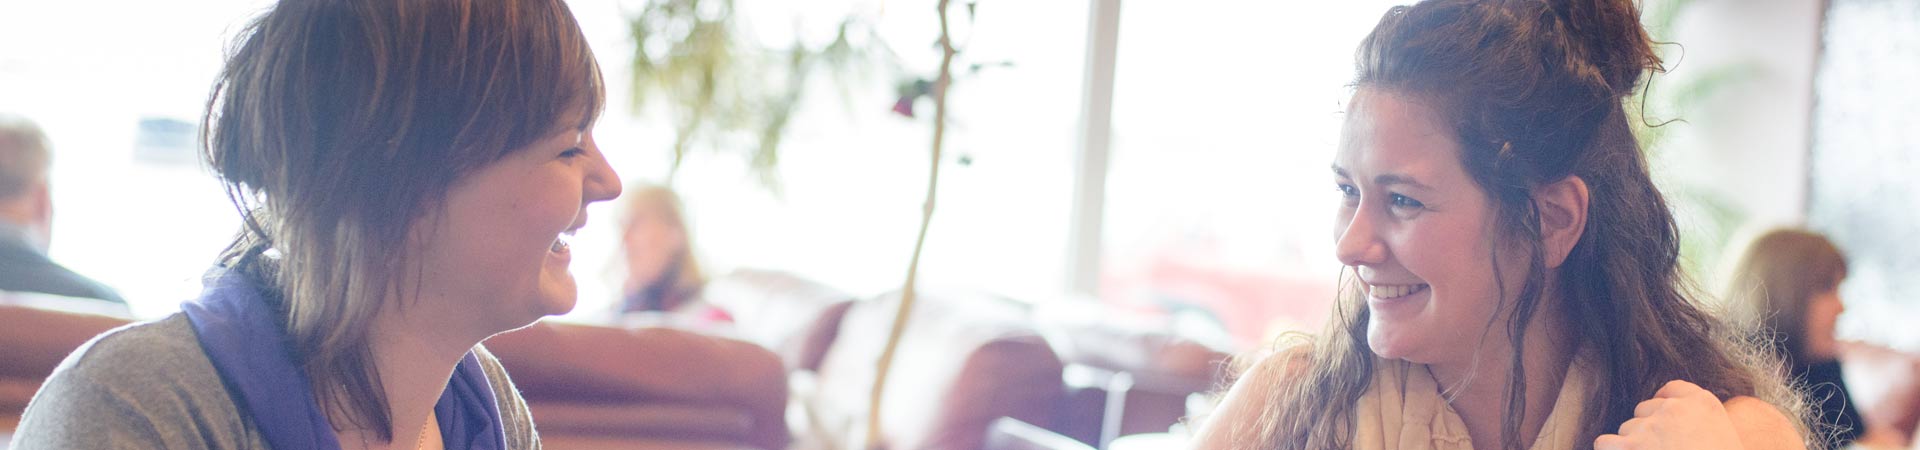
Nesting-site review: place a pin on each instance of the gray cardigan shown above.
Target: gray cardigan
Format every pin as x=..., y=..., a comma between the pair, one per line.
x=150, y=386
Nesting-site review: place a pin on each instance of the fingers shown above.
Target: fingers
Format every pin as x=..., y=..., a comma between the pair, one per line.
x=1635, y=426
x=1649, y=407
x=1613, y=442
x=1681, y=389
x=1680, y=397
x=1680, y=415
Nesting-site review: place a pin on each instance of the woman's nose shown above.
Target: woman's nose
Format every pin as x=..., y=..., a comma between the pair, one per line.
x=602, y=182
x=1358, y=243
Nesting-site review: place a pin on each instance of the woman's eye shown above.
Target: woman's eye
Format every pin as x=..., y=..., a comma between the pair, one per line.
x=1402, y=201
x=572, y=152
x=1348, y=191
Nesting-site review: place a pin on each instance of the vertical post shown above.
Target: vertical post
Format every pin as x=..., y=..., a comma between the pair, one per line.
x=1090, y=159
x=910, y=291
x=1119, y=384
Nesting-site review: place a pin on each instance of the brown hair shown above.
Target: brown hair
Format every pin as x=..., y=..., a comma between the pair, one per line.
x=1534, y=92
x=337, y=124
x=1773, y=279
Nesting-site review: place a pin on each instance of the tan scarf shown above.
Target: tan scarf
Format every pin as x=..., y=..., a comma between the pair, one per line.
x=1403, y=410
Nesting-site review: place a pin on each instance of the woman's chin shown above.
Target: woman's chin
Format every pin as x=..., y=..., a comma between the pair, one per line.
x=1386, y=343
x=555, y=295
x=558, y=298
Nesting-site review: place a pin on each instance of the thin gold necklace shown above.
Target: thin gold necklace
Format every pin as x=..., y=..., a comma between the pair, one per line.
x=421, y=444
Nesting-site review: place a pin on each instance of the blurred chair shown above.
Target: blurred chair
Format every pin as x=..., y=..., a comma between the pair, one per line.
x=594, y=387
x=795, y=317
x=1125, y=374
x=964, y=361
x=37, y=331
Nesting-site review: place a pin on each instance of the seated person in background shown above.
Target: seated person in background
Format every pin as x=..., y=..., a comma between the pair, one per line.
x=26, y=218
x=407, y=172
x=1788, y=282
x=662, y=274
x=1514, y=280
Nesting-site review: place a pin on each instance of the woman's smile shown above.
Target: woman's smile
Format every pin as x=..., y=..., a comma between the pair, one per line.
x=1390, y=302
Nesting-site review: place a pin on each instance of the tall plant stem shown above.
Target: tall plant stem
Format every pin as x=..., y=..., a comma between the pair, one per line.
x=908, y=292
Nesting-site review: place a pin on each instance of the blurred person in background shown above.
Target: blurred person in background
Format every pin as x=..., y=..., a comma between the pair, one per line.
x=1787, y=282
x=26, y=218
x=662, y=274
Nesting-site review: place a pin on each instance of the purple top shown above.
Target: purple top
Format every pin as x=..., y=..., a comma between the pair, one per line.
x=249, y=348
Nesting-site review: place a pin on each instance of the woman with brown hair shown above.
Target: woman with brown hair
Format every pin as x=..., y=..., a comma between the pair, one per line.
x=664, y=280
x=1787, y=281
x=1514, y=268
x=407, y=171
x=662, y=273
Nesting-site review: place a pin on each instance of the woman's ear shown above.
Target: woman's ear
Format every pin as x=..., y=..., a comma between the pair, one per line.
x=1562, y=206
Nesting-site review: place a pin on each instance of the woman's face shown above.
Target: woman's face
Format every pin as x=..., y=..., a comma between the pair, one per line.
x=651, y=242
x=1417, y=231
x=497, y=250
x=1822, y=311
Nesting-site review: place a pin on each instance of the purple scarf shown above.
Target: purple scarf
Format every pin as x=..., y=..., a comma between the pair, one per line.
x=249, y=348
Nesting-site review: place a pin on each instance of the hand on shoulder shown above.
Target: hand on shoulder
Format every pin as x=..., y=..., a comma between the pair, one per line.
x=1682, y=415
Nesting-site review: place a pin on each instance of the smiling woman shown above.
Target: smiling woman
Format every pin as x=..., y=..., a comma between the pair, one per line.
x=1513, y=268
x=407, y=173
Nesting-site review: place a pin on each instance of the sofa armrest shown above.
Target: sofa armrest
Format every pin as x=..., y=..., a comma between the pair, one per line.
x=562, y=363
x=795, y=317
x=16, y=392
x=652, y=421
x=34, y=339
x=589, y=442
x=964, y=360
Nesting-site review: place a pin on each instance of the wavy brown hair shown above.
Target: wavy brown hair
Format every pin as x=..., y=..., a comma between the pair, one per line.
x=338, y=124
x=1534, y=91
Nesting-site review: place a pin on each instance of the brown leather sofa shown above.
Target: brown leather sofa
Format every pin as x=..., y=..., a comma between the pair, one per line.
x=36, y=333
x=963, y=362
x=594, y=387
x=1126, y=375
x=795, y=317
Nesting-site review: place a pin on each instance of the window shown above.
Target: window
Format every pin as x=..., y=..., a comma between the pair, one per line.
x=853, y=174
x=132, y=206
x=1219, y=200
x=137, y=211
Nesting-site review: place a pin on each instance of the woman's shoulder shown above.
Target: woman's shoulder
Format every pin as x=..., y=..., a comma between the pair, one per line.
x=1253, y=391
x=144, y=382
x=1277, y=366
x=145, y=354
x=515, y=419
x=1762, y=426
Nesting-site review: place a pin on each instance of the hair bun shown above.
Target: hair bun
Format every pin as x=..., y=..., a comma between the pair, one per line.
x=1605, y=41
